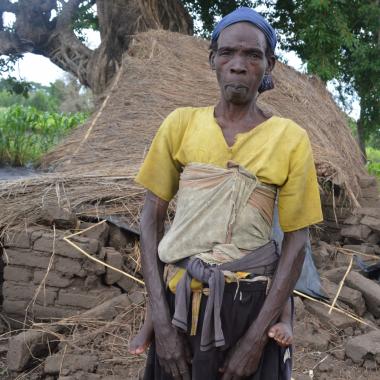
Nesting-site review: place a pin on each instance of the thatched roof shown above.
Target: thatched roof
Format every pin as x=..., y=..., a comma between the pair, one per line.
x=161, y=72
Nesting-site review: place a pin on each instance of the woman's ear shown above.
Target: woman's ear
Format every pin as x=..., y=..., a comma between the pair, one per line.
x=211, y=59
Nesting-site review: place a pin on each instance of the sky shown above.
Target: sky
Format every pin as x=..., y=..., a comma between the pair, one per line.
x=35, y=68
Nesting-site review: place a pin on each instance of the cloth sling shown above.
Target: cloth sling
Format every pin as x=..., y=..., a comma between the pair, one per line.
x=221, y=214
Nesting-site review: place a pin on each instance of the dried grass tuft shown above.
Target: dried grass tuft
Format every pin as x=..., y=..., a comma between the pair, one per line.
x=98, y=195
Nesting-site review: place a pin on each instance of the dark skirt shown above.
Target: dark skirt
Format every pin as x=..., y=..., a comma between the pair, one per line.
x=239, y=309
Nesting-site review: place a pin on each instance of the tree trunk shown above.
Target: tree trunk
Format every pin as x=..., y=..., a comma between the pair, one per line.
x=361, y=137
x=119, y=20
x=36, y=31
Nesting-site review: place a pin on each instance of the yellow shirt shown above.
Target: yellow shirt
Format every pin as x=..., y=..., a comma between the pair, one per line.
x=277, y=151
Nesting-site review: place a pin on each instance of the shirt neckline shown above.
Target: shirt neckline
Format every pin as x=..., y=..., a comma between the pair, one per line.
x=251, y=131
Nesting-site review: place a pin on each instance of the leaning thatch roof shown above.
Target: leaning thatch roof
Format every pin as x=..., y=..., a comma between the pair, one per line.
x=163, y=71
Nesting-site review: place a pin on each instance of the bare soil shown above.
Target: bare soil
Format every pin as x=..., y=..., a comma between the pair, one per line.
x=111, y=349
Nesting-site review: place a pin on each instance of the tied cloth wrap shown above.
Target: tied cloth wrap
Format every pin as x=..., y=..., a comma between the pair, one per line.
x=261, y=261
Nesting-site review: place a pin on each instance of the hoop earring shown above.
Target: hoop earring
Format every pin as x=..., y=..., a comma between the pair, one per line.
x=266, y=84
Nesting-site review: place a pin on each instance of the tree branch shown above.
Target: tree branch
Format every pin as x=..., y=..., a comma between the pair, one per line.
x=35, y=31
x=64, y=48
x=10, y=44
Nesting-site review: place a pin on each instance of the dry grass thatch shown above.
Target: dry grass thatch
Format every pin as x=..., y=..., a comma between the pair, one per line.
x=161, y=72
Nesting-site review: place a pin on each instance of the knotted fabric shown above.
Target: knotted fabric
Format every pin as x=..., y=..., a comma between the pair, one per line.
x=261, y=261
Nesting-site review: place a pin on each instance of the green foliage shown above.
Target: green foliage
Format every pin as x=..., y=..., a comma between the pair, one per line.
x=86, y=19
x=61, y=96
x=206, y=12
x=32, y=95
x=70, y=96
x=26, y=133
x=338, y=40
x=14, y=86
x=373, y=157
x=352, y=125
x=374, y=137
x=7, y=63
x=374, y=169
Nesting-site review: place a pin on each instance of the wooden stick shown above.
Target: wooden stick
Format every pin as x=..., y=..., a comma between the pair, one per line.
x=341, y=284
x=296, y=292
x=332, y=307
x=351, y=252
x=353, y=198
x=102, y=263
x=86, y=229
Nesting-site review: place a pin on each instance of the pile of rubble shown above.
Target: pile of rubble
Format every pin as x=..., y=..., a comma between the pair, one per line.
x=352, y=337
x=82, y=314
x=45, y=279
x=90, y=346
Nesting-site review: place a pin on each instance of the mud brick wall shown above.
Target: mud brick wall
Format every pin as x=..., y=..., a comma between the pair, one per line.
x=363, y=226
x=369, y=196
x=338, y=212
x=48, y=278
x=335, y=211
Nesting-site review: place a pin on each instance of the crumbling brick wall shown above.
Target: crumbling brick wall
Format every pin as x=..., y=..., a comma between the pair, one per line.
x=46, y=278
x=339, y=212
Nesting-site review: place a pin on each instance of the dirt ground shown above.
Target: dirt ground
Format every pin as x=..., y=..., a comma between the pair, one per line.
x=309, y=364
x=115, y=364
x=304, y=362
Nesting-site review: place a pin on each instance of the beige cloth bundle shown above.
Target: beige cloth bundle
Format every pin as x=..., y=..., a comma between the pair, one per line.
x=221, y=213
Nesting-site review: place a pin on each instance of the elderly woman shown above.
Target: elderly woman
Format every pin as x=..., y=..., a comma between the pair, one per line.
x=218, y=290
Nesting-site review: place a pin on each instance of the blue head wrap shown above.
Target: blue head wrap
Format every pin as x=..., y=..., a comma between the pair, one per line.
x=245, y=14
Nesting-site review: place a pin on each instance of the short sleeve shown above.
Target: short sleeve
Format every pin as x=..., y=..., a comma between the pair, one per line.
x=299, y=203
x=160, y=171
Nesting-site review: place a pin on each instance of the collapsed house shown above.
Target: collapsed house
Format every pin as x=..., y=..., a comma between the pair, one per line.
x=73, y=302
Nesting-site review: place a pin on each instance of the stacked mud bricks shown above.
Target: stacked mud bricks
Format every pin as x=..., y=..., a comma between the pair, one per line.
x=364, y=225
x=339, y=223
x=46, y=278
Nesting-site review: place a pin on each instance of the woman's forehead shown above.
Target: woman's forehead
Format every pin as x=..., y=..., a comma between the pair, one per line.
x=242, y=33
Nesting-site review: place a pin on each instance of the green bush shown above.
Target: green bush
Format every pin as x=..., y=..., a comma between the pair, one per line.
x=26, y=133
x=373, y=154
x=373, y=161
x=374, y=168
